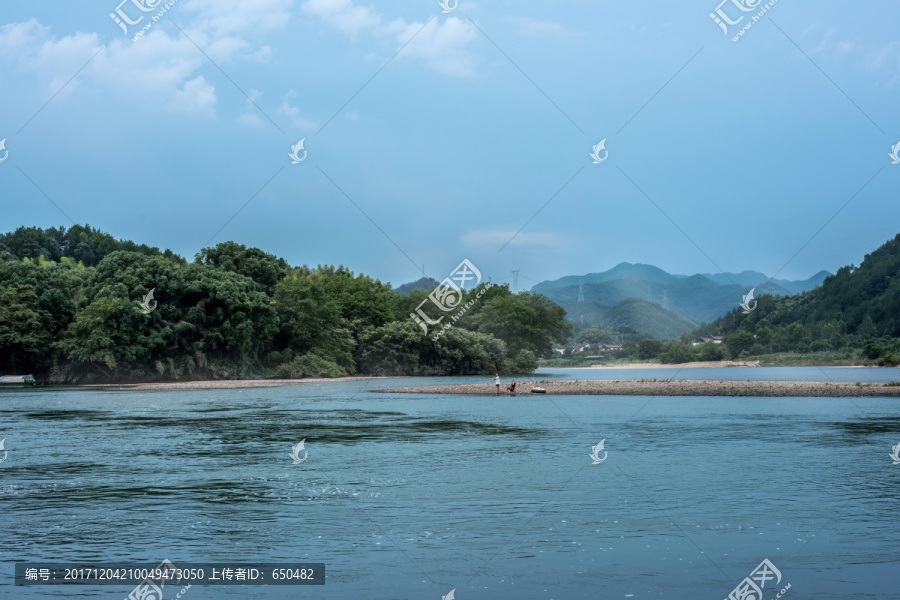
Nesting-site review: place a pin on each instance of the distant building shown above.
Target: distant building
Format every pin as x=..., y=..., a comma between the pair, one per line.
x=610, y=346
x=715, y=339
x=580, y=347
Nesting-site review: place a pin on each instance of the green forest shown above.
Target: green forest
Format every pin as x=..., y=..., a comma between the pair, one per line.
x=855, y=312
x=71, y=312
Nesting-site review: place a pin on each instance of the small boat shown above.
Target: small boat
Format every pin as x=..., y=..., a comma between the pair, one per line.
x=16, y=380
x=538, y=390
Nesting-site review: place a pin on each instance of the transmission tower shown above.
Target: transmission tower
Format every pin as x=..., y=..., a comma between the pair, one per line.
x=581, y=292
x=516, y=281
x=666, y=299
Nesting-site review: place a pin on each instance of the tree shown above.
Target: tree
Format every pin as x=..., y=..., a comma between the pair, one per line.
x=524, y=321
x=867, y=329
x=399, y=348
x=649, y=348
x=738, y=342
x=676, y=353
x=204, y=318
x=361, y=300
x=36, y=307
x=711, y=352
x=25, y=330
x=102, y=337
x=265, y=269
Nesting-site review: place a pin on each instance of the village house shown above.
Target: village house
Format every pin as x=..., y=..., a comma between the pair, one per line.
x=715, y=339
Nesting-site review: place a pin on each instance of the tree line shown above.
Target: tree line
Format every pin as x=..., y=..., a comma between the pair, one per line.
x=71, y=311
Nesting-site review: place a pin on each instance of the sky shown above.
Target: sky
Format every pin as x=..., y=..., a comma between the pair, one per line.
x=430, y=137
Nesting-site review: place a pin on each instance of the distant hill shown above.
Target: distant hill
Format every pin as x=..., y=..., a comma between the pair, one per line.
x=646, y=318
x=687, y=298
x=755, y=278
x=424, y=283
x=863, y=302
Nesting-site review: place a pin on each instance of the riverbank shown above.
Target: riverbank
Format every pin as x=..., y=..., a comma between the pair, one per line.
x=218, y=384
x=669, y=387
x=718, y=364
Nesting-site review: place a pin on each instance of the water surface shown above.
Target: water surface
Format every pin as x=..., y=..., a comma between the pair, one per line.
x=409, y=496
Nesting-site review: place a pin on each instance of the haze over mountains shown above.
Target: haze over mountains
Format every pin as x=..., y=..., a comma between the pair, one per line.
x=651, y=301
x=659, y=304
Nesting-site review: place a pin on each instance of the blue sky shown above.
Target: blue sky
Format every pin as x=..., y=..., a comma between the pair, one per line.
x=722, y=155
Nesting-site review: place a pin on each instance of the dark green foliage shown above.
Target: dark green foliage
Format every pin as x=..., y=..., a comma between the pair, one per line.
x=524, y=321
x=738, y=343
x=204, y=316
x=854, y=310
x=309, y=365
x=399, y=348
x=677, y=353
x=71, y=310
x=710, y=352
x=82, y=243
x=524, y=363
x=265, y=269
x=647, y=349
x=36, y=306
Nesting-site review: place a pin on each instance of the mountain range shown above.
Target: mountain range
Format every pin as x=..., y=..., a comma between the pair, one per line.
x=659, y=304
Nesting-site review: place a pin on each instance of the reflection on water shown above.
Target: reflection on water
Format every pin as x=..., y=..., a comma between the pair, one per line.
x=409, y=496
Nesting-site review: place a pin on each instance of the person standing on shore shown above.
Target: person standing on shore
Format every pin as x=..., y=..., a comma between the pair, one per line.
x=497, y=382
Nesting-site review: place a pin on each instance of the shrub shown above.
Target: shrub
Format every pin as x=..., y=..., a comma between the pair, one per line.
x=711, y=352
x=524, y=363
x=648, y=349
x=309, y=365
x=677, y=353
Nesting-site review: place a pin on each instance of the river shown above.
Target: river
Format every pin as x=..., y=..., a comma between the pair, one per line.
x=408, y=496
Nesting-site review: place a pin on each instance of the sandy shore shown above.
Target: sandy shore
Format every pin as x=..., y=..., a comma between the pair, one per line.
x=219, y=384
x=691, y=365
x=668, y=387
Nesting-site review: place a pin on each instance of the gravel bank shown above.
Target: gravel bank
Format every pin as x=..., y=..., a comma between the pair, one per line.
x=668, y=387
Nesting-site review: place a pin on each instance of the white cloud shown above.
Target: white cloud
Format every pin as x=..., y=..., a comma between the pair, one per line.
x=157, y=70
x=237, y=17
x=343, y=15
x=293, y=113
x=196, y=95
x=29, y=48
x=442, y=44
x=160, y=69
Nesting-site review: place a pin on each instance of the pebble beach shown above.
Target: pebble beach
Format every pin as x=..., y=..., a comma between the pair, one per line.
x=667, y=387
